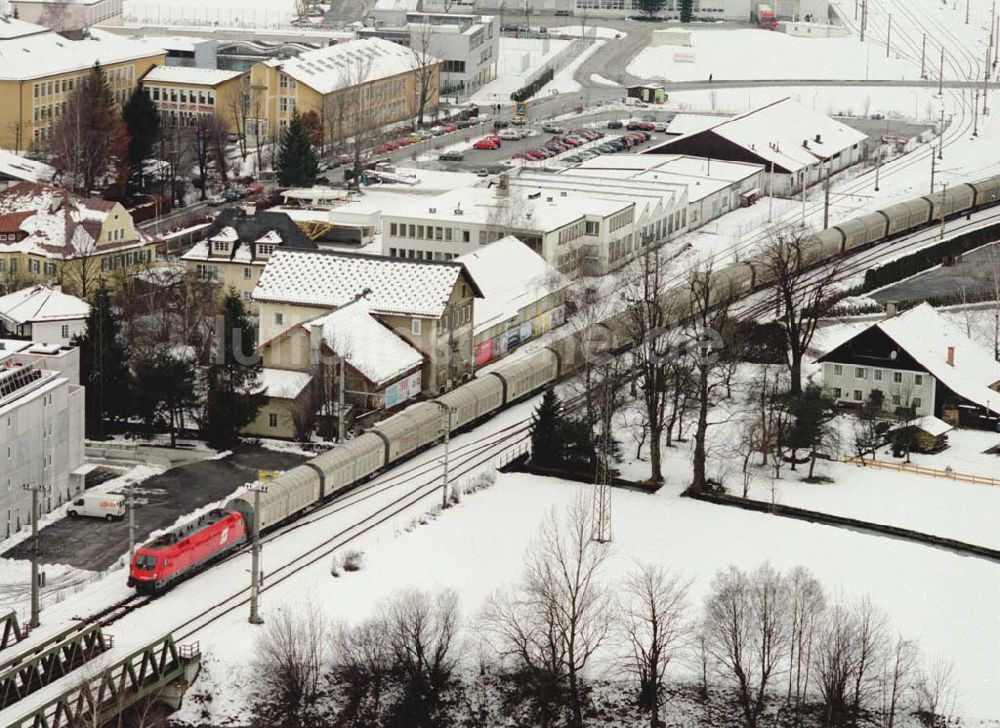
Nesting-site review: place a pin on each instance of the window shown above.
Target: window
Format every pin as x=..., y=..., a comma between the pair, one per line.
x=64, y=331
x=895, y=399
x=877, y=375
x=918, y=379
x=279, y=319
x=465, y=236
x=247, y=297
x=838, y=369
x=392, y=228
x=897, y=377
x=860, y=372
x=247, y=273
x=415, y=326
x=593, y=228
x=858, y=397
x=272, y=419
x=837, y=392
x=916, y=402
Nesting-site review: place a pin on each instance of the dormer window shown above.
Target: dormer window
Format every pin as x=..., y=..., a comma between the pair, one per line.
x=265, y=249
x=220, y=246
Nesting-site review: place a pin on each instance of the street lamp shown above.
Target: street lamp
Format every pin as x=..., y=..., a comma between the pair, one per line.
x=156, y=209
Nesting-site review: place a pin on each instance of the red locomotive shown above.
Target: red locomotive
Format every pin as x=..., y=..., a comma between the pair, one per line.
x=177, y=554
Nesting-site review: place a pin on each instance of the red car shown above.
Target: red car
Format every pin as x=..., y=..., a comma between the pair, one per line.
x=385, y=148
x=487, y=143
x=568, y=140
x=179, y=553
x=533, y=156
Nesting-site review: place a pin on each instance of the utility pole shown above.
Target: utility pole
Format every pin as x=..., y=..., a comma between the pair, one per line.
x=986, y=84
x=35, y=595
x=341, y=424
x=826, y=195
x=933, y=165
x=966, y=12
x=448, y=412
x=941, y=135
x=888, y=36
x=864, y=18
x=855, y=9
x=805, y=178
x=602, y=485
x=941, y=74
x=878, y=161
x=923, y=55
x=257, y=487
x=131, y=521
x=975, y=115
x=770, y=194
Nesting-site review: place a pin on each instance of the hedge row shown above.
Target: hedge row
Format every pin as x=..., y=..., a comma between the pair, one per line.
x=526, y=92
x=929, y=257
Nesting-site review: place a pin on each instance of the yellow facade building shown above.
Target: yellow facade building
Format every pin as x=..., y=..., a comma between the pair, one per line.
x=41, y=68
x=48, y=235
x=183, y=94
x=358, y=84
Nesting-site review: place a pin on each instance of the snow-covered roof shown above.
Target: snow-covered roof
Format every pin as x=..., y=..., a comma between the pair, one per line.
x=368, y=345
x=56, y=223
x=785, y=132
x=418, y=288
x=347, y=64
x=235, y=226
x=511, y=276
x=190, y=76
x=14, y=166
x=930, y=424
x=282, y=383
x=41, y=303
x=926, y=335
x=16, y=28
x=171, y=42
x=37, y=55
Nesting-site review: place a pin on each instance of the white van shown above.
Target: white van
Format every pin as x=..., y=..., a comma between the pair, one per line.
x=98, y=505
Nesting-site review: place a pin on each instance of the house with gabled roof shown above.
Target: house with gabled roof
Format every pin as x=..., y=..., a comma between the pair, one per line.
x=797, y=146
x=922, y=364
x=429, y=305
x=237, y=246
x=49, y=235
x=43, y=314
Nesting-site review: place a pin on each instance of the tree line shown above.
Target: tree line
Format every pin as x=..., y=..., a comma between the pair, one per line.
x=763, y=646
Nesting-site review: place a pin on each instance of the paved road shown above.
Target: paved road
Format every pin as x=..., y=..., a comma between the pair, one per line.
x=88, y=543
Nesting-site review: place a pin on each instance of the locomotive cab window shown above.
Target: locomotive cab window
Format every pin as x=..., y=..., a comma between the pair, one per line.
x=145, y=562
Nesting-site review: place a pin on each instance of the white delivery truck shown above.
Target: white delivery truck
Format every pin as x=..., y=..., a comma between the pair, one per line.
x=108, y=506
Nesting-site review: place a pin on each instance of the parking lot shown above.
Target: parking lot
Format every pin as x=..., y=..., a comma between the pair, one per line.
x=90, y=543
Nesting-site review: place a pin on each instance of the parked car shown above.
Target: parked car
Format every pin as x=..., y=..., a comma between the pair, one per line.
x=660, y=126
x=552, y=129
x=463, y=123
x=648, y=117
x=573, y=158
x=500, y=124
x=451, y=157
x=614, y=124
x=489, y=142
x=510, y=134
x=518, y=121
x=450, y=128
x=215, y=200
x=483, y=173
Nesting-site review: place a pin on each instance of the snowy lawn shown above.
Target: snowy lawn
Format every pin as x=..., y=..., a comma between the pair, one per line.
x=945, y=602
x=752, y=54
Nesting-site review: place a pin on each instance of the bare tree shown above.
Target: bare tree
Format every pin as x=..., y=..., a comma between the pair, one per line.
x=895, y=678
x=553, y=624
x=80, y=271
x=747, y=629
x=238, y=103
x=289, y=659
x=709, y=300
x=421, y=631
x=426, y=67
x=799, y=295
x=361, y=664
x=834, y=663
x=871, y=644
x=806, y=605
x=935, y=692
x=653, y=606
x=201, y=144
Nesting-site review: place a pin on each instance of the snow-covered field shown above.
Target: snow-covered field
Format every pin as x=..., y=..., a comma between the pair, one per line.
x=758, y=54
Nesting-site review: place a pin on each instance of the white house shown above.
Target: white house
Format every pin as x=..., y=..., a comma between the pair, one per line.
x=919, y=362
x=799, y=145
x=43, y=314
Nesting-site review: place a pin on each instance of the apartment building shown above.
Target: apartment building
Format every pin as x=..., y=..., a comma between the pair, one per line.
x=238, y=245
x=50, y=236
x=579, y=225
x=41, y=440
x=355, y=85
x=41, y=68
x=428, y=304
x=184, y=94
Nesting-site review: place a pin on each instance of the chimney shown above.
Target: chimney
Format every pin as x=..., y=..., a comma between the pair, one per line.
x=818, y=139
x=951, y=356
x=805, y=143
x=891, y=309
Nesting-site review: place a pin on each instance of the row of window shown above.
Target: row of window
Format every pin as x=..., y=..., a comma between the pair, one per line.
x=862, y=373
x=116, y=235
x=181, y=95
x=858, y=396
x=123, y=76
x=8, y=237
x=35, y=266
x=429, y=232
x=420, y=254
x=621, y=219
x=126, y=260
x=572, y=232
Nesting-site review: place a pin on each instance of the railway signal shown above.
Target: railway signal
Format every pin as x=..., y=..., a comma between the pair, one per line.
x=256, y=488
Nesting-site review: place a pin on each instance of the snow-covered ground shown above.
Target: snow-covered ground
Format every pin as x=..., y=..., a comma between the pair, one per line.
x=563, y=82
x=517, y=59
x=586, y=29
x=758, y=54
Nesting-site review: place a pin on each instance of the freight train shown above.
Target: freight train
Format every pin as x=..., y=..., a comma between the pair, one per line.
x=176, y=555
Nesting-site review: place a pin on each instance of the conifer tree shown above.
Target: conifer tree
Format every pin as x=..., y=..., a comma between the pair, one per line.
x=687, y=11
x=232, y=401
x=545, y=430
x=104, y=368
x=297, y=166
x=143, y=123
x=165, y=390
